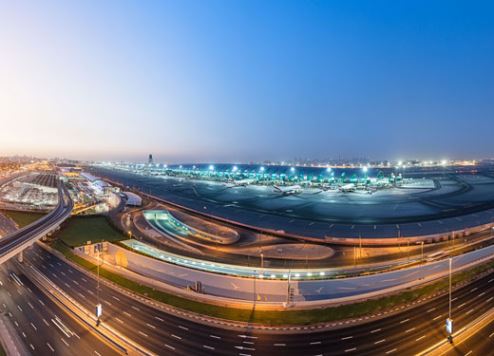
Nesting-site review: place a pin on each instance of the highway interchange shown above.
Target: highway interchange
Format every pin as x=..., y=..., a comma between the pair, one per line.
x=407, y=332
x=43, y=326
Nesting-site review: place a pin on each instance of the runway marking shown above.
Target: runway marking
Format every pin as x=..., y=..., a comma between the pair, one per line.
x=380, y=341
x=420, y=338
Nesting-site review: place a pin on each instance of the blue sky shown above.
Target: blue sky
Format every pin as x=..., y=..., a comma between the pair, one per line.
x=247, y=80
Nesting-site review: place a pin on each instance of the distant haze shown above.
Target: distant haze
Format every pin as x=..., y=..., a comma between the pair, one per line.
x=196, y=81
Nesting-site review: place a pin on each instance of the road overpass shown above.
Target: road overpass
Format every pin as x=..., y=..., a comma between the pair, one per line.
x=16, y=242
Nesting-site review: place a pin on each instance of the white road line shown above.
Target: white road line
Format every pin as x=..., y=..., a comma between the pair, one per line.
x=404, y=321
x=375, y=331
x=380, y=341
x=65, y=342
x=176, y=337
x=420, y=338
x=437, y=317
x=390, y=351
x=158, y=318
x=208, y=347
x=151, y=326
x=350, y=350
x=183, y=328
x=215, y=337
x=169, y=347
x=50, y=347
x=279, y=345
x=315, y=343
x=411, y=329
x=347, y=338
x=143, y=334
x=34, y=327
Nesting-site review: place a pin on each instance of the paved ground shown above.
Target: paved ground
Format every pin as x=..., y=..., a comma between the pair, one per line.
x=458, y=201
x=405, y=333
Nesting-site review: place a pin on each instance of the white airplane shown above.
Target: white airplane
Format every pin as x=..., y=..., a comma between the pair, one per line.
x=241, y=183
x=288, y=190
x=350, y=187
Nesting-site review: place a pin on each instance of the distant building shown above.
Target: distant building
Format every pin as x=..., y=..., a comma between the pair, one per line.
x=133, y=199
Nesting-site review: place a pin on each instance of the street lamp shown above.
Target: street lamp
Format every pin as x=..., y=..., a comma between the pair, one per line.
x=449, y=321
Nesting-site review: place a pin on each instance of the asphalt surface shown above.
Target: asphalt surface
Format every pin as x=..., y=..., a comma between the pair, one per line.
x=405, y=333
x=460, y=201
x=34, y=316
x=482, y=343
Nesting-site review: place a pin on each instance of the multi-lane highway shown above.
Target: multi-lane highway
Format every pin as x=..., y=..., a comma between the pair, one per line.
x=41, y=324
x=407, y=332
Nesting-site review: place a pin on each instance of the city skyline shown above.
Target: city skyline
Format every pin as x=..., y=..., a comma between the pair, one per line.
x=246, y=81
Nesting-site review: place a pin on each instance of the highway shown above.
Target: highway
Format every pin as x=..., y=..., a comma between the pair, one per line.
x=14, y=243
x=219, y=279
x=407, y=332
x=43, y=326
x=482, y=343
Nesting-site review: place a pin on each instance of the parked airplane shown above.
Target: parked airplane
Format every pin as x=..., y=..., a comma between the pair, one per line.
x=288, y=190
x=350, y=187
x=241, y=183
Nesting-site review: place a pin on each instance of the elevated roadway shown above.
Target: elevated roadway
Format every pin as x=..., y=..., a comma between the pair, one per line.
x=19, y=240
